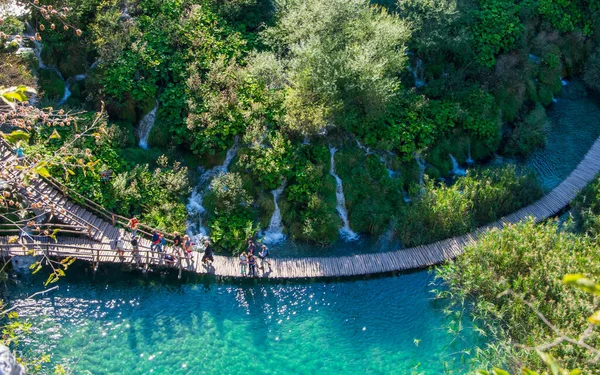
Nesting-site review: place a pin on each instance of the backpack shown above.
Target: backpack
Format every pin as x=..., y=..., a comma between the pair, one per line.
x=134, y=242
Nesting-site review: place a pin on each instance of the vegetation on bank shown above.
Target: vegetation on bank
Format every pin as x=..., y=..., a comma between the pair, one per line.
x=529, y=261
x=281, y=74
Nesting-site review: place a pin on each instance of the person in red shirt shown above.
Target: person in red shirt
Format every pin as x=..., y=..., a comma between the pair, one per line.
x=133, y=225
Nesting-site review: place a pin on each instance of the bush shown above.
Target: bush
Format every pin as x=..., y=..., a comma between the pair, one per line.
x=51, y=84
x=230, y=214
x=481, y=197
x=587, y=208
x=528, y=134
x=530, y=260
x=591, y=74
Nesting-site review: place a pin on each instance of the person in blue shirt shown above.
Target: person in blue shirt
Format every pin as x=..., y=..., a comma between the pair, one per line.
x=264, y=253
x=155, y=241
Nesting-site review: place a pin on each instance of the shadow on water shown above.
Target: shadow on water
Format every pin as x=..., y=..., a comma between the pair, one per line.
x=133, y=323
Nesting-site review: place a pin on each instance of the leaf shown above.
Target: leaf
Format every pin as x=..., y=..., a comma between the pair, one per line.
x=34, y=265
x=38, y=268
x=499, y=371
x=60, y=272
x=13, y=239
x=54, y=135
x=50, y=279
x=42, y=171
x=594, y=318
x=549, y=361
x=527, y=371
x=16, y=136
x=481, y=372
x=581, y=282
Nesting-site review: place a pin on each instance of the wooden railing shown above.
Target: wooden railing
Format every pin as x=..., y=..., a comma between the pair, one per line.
x=92, y=206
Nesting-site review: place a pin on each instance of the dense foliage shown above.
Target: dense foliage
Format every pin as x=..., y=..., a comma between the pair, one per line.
x=474, y=200
x=289, y=78
x=530, y=261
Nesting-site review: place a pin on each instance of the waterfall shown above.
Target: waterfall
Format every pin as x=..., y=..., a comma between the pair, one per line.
x=145, y=127
x=564, y=82
x=345, y=232
x=194, y=207
x=37, y=50
x=68, y=83
x=422, y=167
x=274, y=233
x=470, y=160
x=419, y=73
x=554, y=100
x=456, y=169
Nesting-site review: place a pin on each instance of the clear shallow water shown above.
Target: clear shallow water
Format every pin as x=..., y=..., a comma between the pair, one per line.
x=349, y=327
x=573, y=126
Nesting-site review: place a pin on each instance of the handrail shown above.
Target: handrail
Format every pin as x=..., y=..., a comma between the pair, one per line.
x=98, y=209
x=144, y=255
x=67, y=213
x=95, y=207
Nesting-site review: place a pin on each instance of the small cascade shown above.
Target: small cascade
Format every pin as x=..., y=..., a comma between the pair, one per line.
x=367, y=150
x=419, y=73
x=418, y=70
x=68, y=83
x=274, y=233
x=145, y=126
x=554, y=100
x=194, y=207
x=470, y=160
x=456, y=169
x=422, y=166
x=534, y=59
x=37, y=50
x=564, y=82
x=345, y=232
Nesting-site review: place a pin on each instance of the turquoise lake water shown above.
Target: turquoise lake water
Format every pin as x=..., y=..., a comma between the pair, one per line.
x=573, y=126
x=132, y=326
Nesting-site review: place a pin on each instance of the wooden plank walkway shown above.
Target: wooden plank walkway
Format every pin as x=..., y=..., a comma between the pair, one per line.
x=97, y=249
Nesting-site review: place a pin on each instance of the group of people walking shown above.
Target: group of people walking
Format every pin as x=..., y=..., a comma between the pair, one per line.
x=182, y=249
x=248, y=261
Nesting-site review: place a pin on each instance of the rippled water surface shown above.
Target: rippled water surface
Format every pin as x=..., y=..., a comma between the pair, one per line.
x=145, y=327
x=573, y=126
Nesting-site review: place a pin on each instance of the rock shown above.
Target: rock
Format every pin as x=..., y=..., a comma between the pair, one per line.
x=8, y=363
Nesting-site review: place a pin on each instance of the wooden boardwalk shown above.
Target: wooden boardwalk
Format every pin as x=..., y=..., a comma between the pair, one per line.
x=96, y=248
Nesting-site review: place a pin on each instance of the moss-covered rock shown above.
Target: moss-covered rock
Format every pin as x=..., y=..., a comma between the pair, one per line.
x=51, y=85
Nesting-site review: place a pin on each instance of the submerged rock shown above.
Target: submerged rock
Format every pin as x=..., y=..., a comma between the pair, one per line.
x=8, y=363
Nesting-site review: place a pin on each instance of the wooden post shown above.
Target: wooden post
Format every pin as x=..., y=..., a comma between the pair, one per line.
x=180, y=268
x=113, y=220
x=97, y=259
x=148, y=259
x=89, y=229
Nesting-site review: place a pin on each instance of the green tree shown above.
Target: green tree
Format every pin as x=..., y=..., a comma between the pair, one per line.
x=341, y=60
